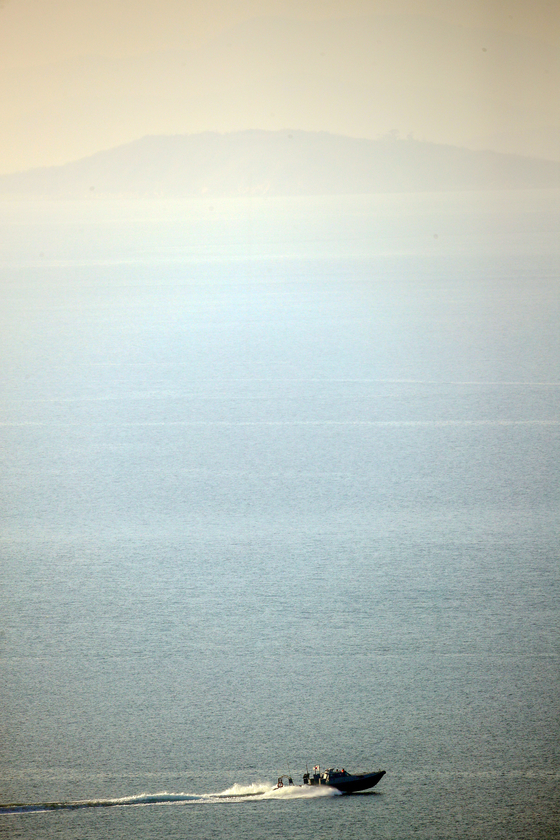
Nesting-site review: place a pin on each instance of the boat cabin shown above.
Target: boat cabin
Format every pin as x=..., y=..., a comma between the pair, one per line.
x=324, y=777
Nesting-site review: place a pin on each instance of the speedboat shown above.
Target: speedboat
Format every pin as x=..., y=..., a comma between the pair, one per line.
x=342, y=780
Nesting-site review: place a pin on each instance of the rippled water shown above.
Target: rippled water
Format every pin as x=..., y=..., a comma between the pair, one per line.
x=280, y=486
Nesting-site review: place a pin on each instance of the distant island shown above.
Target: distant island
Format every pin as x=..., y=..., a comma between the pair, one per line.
x=278, y=163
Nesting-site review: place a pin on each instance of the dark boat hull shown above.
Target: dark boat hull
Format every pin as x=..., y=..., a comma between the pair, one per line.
x=362, y=781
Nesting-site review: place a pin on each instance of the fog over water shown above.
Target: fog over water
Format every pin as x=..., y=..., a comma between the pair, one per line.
x=280, y=487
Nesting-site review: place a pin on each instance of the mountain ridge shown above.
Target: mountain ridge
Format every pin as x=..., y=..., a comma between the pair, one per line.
x=288, y=162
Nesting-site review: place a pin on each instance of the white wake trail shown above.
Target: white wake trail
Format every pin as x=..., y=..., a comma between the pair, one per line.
x=235, y=793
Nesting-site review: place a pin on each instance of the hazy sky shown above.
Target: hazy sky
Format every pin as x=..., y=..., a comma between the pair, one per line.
x=83, y=75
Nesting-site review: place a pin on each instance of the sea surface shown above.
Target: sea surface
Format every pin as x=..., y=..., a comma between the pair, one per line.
x=280, y=487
